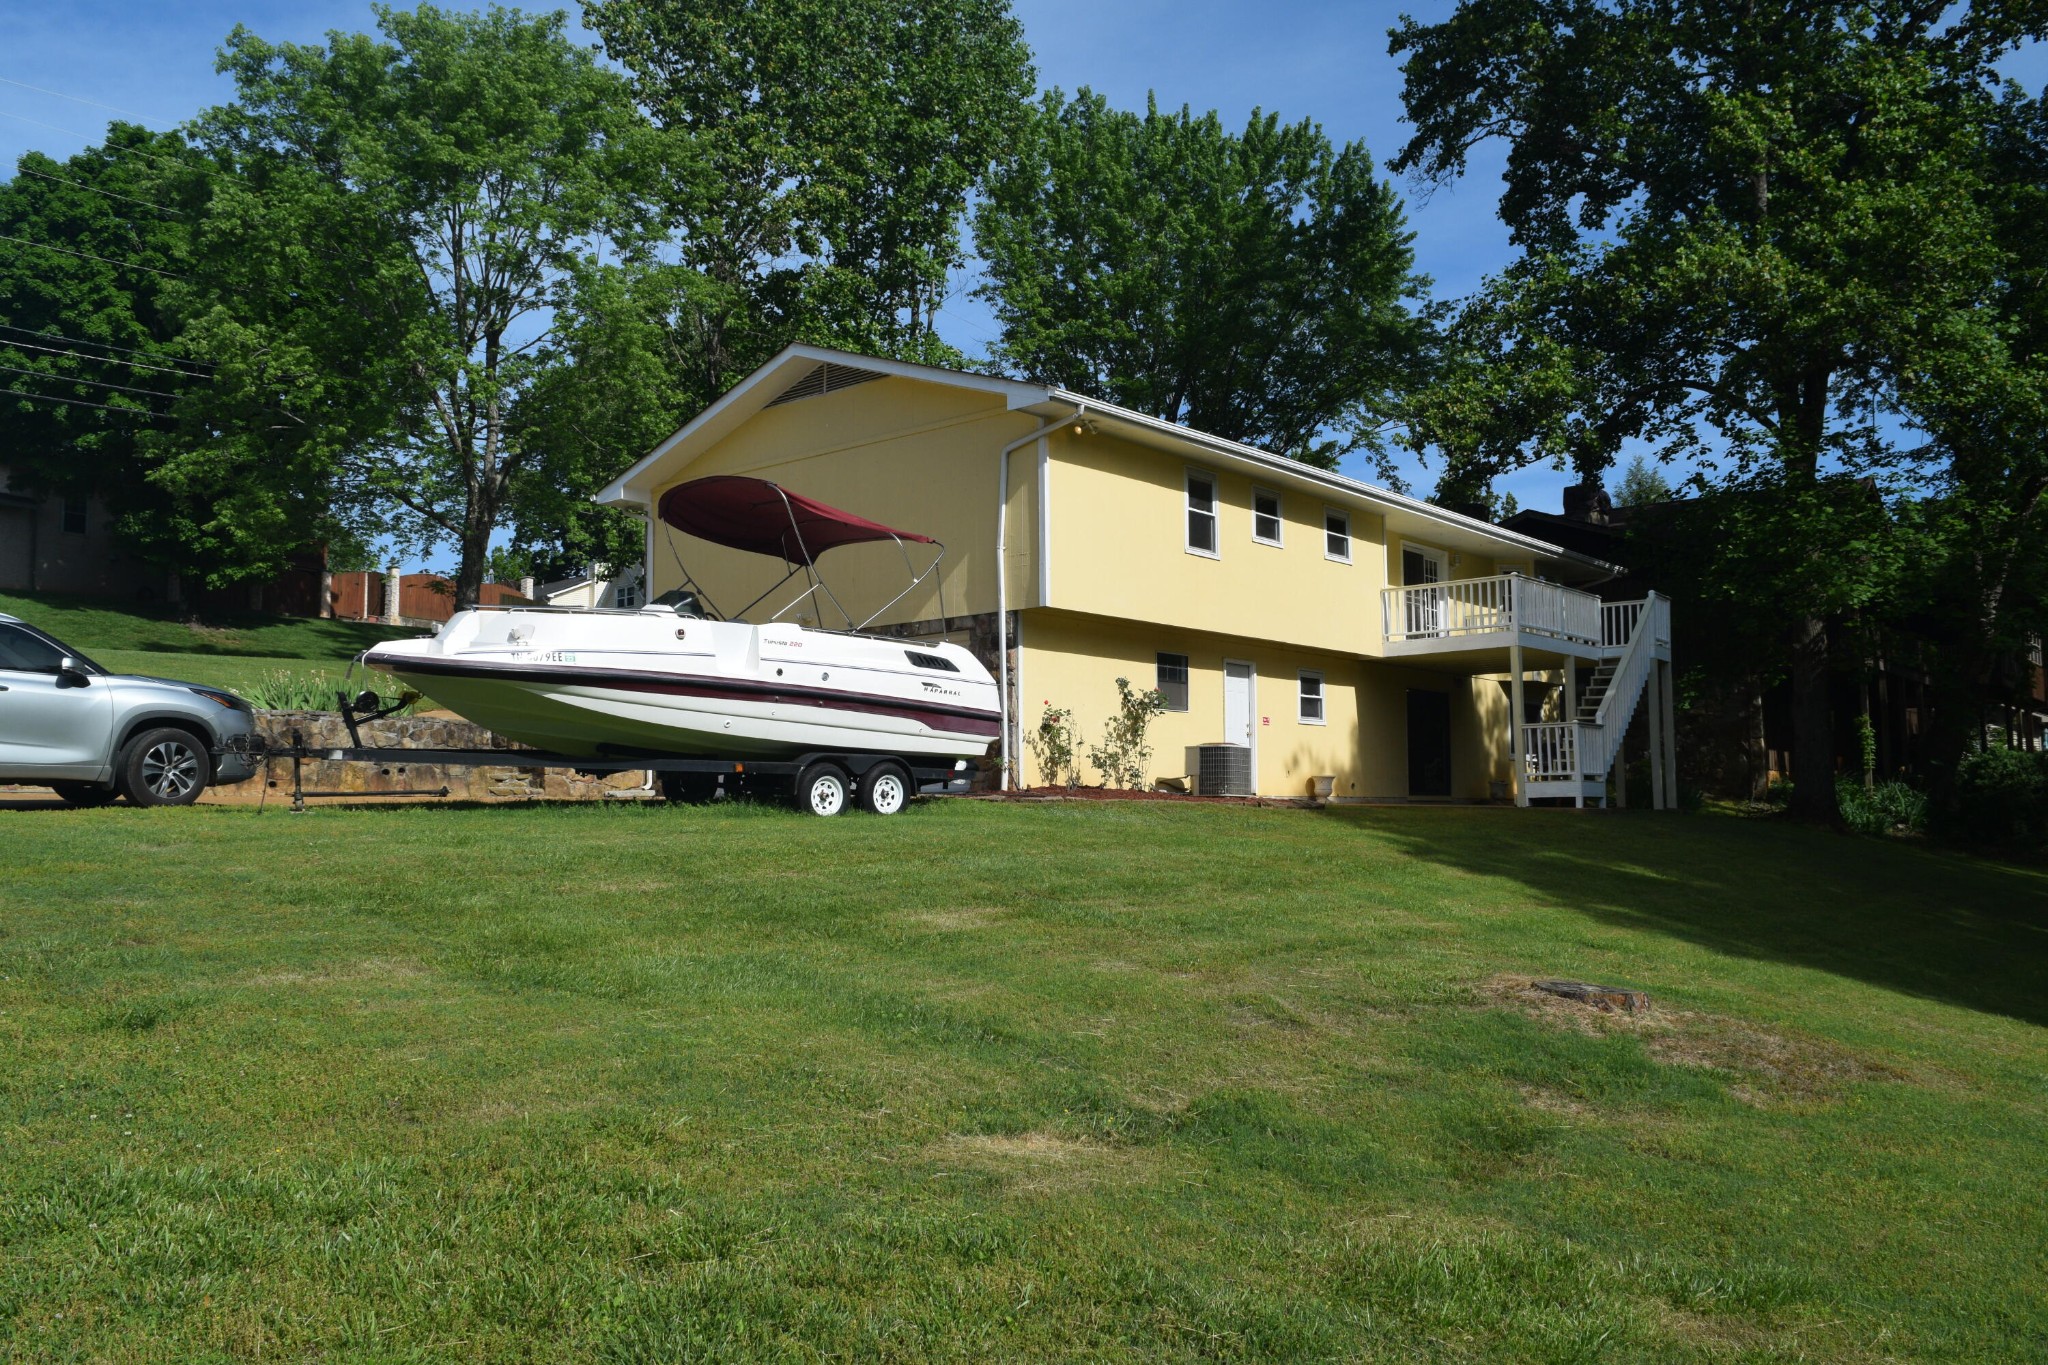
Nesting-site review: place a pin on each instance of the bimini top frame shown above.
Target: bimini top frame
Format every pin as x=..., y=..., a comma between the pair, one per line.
x=765, y=518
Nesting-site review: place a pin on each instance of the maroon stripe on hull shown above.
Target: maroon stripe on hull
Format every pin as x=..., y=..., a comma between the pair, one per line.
x=951, y=720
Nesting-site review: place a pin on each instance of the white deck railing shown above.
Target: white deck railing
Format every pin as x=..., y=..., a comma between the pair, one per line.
x=1479, y=606
x=1562, y=749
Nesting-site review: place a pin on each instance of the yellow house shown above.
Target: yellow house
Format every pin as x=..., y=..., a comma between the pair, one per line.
x=1326, y=627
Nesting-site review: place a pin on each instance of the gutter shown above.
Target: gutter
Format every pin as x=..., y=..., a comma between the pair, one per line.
x=1280, y=464
x=1003, y=570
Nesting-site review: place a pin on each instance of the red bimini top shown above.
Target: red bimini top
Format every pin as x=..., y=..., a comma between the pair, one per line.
x=768, y=519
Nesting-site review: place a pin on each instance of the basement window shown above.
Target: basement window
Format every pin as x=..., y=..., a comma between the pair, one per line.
x=1202, y=513
x=74, y=515
x=1265, y=516
x=1311, y=697
x=1173, y=681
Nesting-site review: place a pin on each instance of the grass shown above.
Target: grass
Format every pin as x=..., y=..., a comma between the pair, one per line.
x=242, y=651
x=568, y=1083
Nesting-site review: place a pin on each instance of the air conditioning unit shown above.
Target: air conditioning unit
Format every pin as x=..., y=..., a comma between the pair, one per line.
x=1220, y=769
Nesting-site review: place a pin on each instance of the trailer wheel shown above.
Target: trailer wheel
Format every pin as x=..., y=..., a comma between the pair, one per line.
x=885, y=789
x=822, y=789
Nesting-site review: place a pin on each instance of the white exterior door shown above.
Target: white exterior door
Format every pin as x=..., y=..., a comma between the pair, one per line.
x=1421, y=569
x=1240, y=726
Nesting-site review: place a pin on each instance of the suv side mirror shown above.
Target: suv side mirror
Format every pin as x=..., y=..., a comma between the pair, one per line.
x=69, y=674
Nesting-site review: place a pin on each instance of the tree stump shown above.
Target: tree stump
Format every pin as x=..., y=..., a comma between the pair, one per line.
x=1607, y=998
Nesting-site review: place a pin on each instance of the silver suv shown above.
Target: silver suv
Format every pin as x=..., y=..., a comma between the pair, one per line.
x=69, y=724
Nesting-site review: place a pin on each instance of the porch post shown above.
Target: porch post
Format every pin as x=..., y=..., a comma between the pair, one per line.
x=1655, y=719
x=1670, y=735
x=1515, y=714
x=1571, y=718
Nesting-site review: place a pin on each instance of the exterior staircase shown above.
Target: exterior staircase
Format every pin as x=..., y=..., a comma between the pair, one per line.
x=1573, y=757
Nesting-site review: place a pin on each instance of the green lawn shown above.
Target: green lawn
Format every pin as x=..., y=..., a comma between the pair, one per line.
x=237, y=650
x=1075, y=1081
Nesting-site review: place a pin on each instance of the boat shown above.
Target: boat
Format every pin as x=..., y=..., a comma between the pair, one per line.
x=678, y=678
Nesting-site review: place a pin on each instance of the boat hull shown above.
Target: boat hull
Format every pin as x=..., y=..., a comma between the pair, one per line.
x=725, y=701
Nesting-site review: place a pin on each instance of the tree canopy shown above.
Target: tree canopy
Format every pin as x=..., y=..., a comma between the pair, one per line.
x=835, y=144
x=406, y=212
x=1738, y=220
x=1258, y=285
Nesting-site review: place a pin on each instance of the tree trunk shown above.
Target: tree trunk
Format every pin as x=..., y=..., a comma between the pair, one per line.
x=1813, y=739
x=476, y=558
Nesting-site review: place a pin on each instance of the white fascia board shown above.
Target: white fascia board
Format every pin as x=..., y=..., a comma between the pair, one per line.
x=757, y=390
x=1297, y=472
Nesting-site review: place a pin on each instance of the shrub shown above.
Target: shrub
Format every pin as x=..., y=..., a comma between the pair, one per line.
x=283, y=690
x=1123, y=755
x=2001, y=798
x=1052, y=745
x=1886, y=808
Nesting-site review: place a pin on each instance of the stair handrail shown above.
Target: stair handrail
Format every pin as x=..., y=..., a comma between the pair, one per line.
x=1632, y=669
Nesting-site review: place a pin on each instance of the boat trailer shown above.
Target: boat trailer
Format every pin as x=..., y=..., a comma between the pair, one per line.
x=686, y=779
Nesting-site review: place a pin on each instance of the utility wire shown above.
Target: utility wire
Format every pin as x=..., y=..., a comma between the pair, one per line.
x=80, y=184
x=101, y=359
x=89, y=137
x=104, y=345
x=75, y=99
x=88, y=256
x=81, y=403
x=89, y=383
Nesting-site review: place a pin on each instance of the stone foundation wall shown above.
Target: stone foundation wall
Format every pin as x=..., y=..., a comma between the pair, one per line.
x=323, y=729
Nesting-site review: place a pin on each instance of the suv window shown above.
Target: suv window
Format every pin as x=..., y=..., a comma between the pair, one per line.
x=29, y=653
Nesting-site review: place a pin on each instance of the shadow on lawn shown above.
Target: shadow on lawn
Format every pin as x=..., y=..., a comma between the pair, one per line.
x=1935, y=924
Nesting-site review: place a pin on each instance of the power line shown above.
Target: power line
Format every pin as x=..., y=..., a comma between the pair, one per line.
x=80, y=184
x=89, y=383
x=100, y=359
x=75, y=99
x=81, y=403
x=88, y=138
x=88, y=256
x=104, y=345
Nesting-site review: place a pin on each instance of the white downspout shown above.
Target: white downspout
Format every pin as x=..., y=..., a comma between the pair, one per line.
x=1003, y=574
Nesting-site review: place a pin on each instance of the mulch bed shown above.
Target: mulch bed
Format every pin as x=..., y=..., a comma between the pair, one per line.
x=1106, y=794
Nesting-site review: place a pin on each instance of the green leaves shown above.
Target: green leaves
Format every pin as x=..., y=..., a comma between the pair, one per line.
x=1256, y=285
x=408, y=213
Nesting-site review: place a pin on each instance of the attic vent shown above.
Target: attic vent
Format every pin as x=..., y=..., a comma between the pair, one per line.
x=827, y=378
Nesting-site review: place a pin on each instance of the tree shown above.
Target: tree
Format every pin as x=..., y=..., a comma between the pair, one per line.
x=836, y=145
x=1744, y=215
x=405, y=214
x=1642, y=484
x=1260, y=285
x=1979, y=387
x=92, y=293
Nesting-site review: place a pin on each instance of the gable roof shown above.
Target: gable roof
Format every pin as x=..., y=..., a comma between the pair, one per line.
x=799, y=370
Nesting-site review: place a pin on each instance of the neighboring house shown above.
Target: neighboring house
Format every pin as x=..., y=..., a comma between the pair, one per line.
x=1331, y=627
x=67, y=543
x=1894, y=687
x=622, y=592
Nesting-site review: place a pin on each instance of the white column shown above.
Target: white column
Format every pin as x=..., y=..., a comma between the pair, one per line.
x=1670, y=734
x=1571, y=717
x=1515, y=765
x=1655, y=719
x=391, y=594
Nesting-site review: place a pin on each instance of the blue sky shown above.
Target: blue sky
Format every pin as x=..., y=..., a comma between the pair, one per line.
x=1321, y=59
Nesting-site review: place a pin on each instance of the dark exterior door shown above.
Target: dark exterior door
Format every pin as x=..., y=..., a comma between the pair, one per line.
x=1429, y=743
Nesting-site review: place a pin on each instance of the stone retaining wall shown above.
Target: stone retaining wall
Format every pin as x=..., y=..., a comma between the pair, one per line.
x=324, y=730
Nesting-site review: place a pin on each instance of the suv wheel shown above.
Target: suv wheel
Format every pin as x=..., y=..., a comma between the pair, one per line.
x=165, y=768
x=85, y=793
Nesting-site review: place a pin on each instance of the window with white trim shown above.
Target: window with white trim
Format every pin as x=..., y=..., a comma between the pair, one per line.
x=1311, y=697
x=1202, y=539
x=1173, y=680
x=1336, y=535
x=627, y=596
x=1265, y=516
